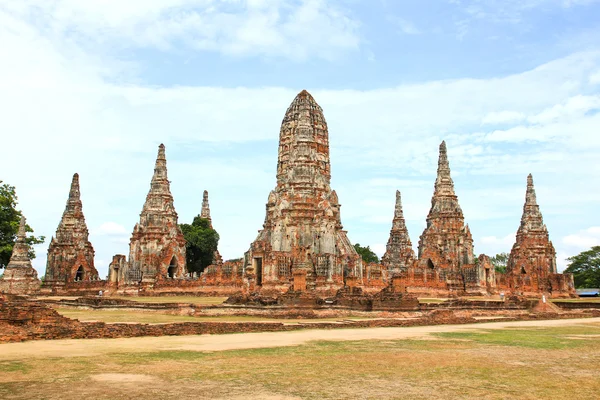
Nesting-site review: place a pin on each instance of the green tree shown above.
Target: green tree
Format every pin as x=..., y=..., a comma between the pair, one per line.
x=366, y=253
x=9, y=225
x=499, y=261
x=585, y=268
x=201, y=244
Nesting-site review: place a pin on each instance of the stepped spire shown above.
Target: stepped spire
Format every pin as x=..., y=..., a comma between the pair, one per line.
x=205, y=213
x=530, y=198
x=398, y=221
x=70, y=248
x=157, y=245
x=160, y=181
x=533, y=252
x=444, y=186
x=399, y=253
x=302, y=229
x=532, y=217
x=20, y=253
x=445, y=224
x=303, y=159
x=19, y=276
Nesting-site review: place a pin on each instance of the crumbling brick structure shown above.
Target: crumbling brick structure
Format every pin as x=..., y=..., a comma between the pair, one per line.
x=70, y=254
x=157, y=246
x=302, y=228
x=531, y=266
x=19, y=275
x=205, y=213
x=399, y=254
x=446, y=242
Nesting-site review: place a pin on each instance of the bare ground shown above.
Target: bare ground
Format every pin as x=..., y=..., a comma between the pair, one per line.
x=94, y=347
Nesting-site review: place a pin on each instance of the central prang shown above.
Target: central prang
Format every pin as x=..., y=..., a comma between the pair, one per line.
x=303, y=229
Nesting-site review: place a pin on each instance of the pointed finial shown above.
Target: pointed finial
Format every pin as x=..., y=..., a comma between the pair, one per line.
x=443, y=147
x=74, y=192
x=22, y=234
x=398, y=209
x=530, y=198
x=161, y=152
x=205, y=213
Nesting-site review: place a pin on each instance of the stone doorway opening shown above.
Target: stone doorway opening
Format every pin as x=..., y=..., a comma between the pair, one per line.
x=172, y=268
x=79, y=274
x=430, y=264
x=258, y=268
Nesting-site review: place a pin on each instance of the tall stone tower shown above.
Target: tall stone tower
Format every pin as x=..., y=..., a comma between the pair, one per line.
x=399, y=254
x=302, y=229
x=157, y=245
x=533, y=254
x=446, y=242
x=71, y=255
x=19, y=275
x=205, y=213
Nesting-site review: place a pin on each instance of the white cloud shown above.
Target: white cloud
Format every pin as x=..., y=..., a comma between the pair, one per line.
x=64, y=113
x=502, y=117
x=506, y=241
x=111, y=229
x=286, y=28
x=595, y=78
x=584, y=239
x=404, y=26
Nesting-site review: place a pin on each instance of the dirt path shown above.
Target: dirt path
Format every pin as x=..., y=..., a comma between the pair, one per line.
x=91, y=347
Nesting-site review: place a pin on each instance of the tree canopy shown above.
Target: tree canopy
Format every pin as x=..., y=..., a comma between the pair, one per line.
x=366, y=253
x=499, y=261
x=201, y=244
x=585, y=268
x=9, y=225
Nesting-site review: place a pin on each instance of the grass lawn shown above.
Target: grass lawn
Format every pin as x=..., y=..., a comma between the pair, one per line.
x=523, y=363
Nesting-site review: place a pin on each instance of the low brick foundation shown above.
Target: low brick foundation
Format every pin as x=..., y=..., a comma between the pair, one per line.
x=22, y=319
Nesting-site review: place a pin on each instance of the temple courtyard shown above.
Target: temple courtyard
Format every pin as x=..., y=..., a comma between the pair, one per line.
x=539, y=359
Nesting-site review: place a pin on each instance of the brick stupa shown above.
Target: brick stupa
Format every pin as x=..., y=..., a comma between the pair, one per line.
x=70, y=254
x=302, y=232
x=399, y=254
x=446, y=242
x=205, y=213
x=19, y=275
x=157, y=245
x=532, y=257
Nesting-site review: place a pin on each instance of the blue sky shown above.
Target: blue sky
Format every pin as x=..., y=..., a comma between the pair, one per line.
x=512, y=86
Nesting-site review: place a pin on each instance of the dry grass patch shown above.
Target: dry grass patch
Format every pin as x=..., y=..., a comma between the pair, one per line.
x=528, y=363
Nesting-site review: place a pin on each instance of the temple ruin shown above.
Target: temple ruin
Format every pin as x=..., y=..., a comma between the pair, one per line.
x=19, y=275
x=531, y=264
x=399, y=254
x=446, y=242
x=70, y=254
x=205, y=213
x=302, y=234
x=157, y=246
x=302, y=255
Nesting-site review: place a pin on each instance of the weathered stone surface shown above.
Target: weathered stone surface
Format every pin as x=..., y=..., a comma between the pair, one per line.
x=19, y=275
x=531, y=264
x=157, y=246
x=446, y=242
x=302, y=228
x=205, y=213
x=399, y=254
x=70, y=254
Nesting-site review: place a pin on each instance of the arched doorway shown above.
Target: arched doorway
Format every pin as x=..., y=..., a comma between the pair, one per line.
x=172, y=268
x=430, y=264
x=79, y=274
